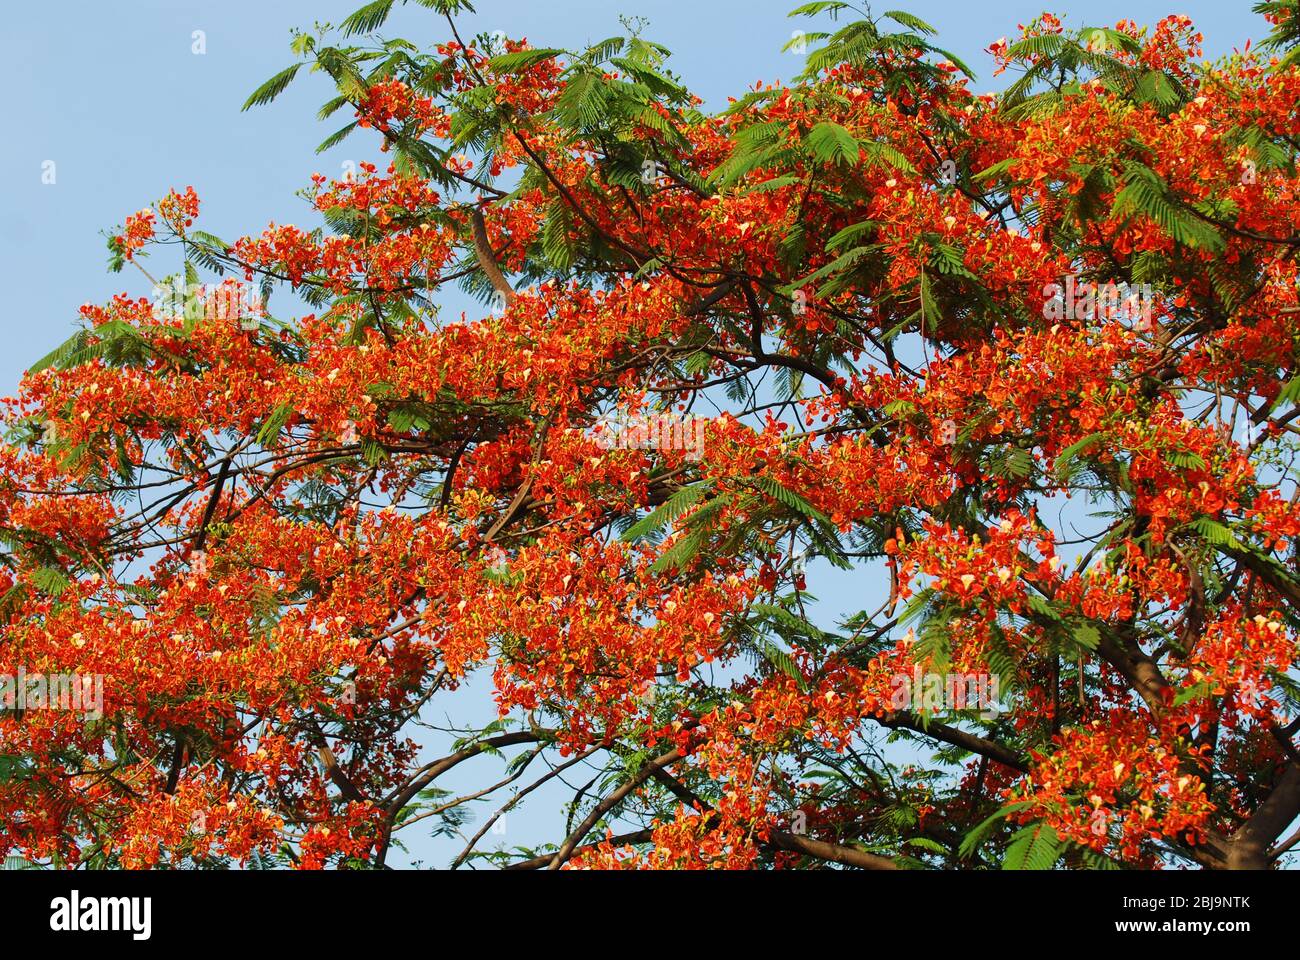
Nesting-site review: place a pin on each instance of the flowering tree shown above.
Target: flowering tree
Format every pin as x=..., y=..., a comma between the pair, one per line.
x=1022, y=365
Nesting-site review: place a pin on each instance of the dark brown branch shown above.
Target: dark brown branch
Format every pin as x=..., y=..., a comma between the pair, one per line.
x=958, y=738
x=571, y=842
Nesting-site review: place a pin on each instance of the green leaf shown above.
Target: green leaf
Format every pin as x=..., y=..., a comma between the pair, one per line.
x=1154, y=87
x=884, y=154
x=272, y=88
x=744, y=159
x=274, y=423
x=1216, y=533
x=583, y=102
x=1111, y=38
x=1289, y=393
x=909, y=21
x=776, y=183
x=1042, y=606
x=666, y=512
x=851, y=232
x=1194, y=692
x=557, y=243
x=1145, y=194
x=771, y=611
x=790, y=499
x=51, y=580
x=1086, y=635
x=600, y=52
x=343, y=71
x=117, y=341
x=780, y=660
x=1015, y=462
x=846, y=259
x=59, y=355
x=1036, y=847
x=1073, y=450
x=971, y=842
x=997, y=170
x=521, y=60
x=337, y=137
x=14, y=769
x=831, y=143
x=368, y=19
x=818, y=6
x=679, y=554
x=1186, y=460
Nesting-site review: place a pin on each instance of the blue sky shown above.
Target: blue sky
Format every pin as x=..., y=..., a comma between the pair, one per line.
x=117, y=98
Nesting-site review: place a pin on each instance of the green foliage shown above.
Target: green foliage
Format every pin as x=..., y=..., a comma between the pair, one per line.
x=1145, y=194
x=831, y=143
x=268, y=91
x=1285, y=37
x=1035, y=847
x=666, y=512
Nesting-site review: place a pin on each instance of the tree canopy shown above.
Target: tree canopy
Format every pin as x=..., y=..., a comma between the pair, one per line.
x=1020, y=368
